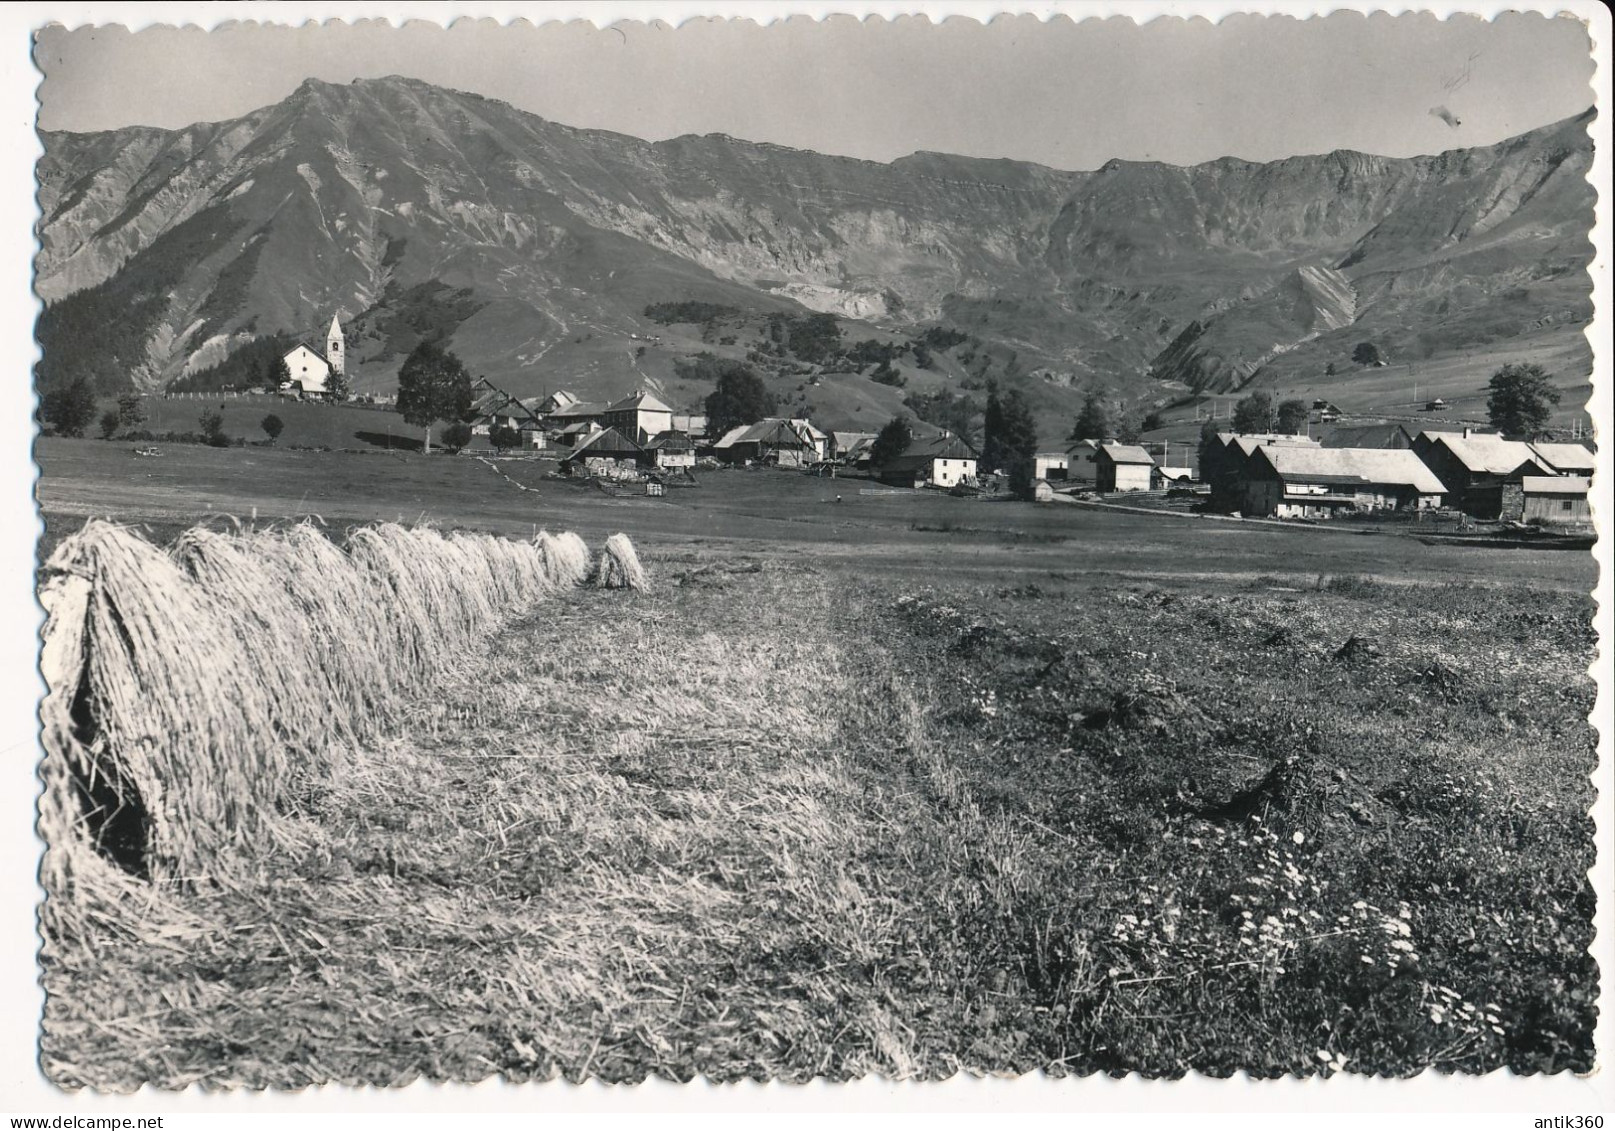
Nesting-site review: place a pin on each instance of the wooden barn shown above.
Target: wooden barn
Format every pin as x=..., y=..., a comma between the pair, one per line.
x=1474, y=465
x=1547, y=500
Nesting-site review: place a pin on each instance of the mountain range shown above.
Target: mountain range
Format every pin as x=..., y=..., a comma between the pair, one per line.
x=534, y=249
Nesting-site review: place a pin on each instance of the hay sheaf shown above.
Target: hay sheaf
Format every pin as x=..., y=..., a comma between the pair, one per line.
x=618, y=567
x=189, y=690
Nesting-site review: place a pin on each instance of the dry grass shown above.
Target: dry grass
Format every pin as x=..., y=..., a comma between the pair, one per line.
x=192, y=689
x=618, y=566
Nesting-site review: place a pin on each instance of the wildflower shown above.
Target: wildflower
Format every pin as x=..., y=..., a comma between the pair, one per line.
x=1299, y=837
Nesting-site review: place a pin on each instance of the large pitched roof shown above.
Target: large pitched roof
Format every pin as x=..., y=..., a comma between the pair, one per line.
x=1391, y=467
x=1249, y=442
x=1127, y=453
x=642, y=400
x=607, y=442
x=774, y=432
x=1362, y=436
x=1484, y=452
x=577, y=409
x=1567, y=457
x=1556, y=484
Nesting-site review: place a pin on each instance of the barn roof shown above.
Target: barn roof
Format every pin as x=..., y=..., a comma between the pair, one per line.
x=1567, y=457
x=641, y=401
x=1363, y=436
x=923, y=450
x=774, y=432
x=1556, y=484
x=1485, y=452
x=1391, y=467
x=1248, y=442
x=1127, y=454
x=672, y=441
x=576, y=410
x=607, y=443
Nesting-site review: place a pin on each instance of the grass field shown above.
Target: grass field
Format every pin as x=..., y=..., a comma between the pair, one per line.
x=902, y=784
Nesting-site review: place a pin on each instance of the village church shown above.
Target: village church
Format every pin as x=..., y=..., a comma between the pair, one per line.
x=311, y=370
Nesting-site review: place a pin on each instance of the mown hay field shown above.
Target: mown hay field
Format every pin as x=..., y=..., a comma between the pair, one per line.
x=753, y=821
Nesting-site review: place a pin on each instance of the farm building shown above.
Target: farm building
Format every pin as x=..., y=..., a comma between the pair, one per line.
x=1051, y=466
x=553, y=403
x=608, y=449
x=1473, y=465
x=937, y=461
x=1567, y=459
x=692, y=424
x=672, y=449
x=1163, y=477
x=639, y=416
x=1123, y=467
x=1546, y=499
x=1082, y=463
x=562, y=421
x=495, y=408
x=787, y=443
x=842, y=444
x=310, y=369
x=1292, y=482
x=1224, y=470
x=1368, y=436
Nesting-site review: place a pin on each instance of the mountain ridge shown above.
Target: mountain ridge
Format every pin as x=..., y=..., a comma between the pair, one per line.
x=348, y=197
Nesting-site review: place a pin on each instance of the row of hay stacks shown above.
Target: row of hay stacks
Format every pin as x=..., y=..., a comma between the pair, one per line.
x=190, y=689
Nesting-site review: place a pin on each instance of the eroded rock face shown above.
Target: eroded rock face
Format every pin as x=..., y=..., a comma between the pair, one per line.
x=343, y=197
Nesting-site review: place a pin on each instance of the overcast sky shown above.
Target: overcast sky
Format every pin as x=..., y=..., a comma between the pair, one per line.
x=1062, y=93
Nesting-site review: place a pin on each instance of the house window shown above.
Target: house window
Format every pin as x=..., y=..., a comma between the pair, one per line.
x=1566, y=505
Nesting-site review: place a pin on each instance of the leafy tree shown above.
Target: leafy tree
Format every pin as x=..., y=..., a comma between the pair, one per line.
x=212, y=422
x=433, y=385
x=922, y=355
x=1520, y=398
x=884, y=374
x=1152, y=420
x=131, y=411
x=457, y=436
x=273, y=426
x=894, y=439
x=109, y=423
x=1329, y=370
x=1093, y=422
x=1254, y=413
x=954, y=412
x=70, y=408
x=1366, y=353
x=740, y=398
x=1292, y=417
x=503, y=437
x=338, y=387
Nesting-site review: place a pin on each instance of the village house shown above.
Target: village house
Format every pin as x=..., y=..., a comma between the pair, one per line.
x=1162, y=478
x=1082, y=463
x=1051, y=466
x=841, y=444
x=1301, y=482
x=1122, y=467
x=639, y=416
x=672, y=449
x=574, y=422
x=1546, y=500
x=309, y=369
x=495, y=408
x=784, y=442
x=1474, y=465
x=936, y=461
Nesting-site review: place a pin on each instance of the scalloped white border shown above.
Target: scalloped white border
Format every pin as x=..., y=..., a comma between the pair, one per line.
x=1497, y=1100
